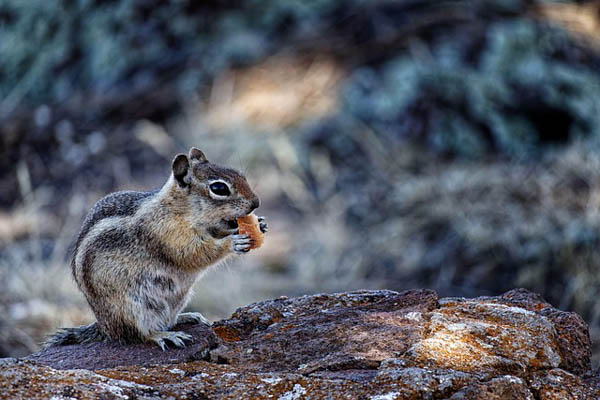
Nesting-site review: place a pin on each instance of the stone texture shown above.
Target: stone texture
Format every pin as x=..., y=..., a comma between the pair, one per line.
x=367, y=344
x=490, y=337
x=105, y=355
x=573, y=336
x=558, y=384
x=500, y=388
x=325, y=332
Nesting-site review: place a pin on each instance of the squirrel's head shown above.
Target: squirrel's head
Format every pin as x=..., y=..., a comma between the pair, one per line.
x=216, y=195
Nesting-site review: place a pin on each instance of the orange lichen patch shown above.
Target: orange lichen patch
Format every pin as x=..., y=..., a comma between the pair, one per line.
x=279, y=92
x=249, y=225
x=227, y=333
x=288, y=327
x=274, y=316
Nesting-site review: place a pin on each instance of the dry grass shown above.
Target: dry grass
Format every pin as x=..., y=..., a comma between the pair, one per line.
x=275, y=94
x=581, y=20
x=37, y=292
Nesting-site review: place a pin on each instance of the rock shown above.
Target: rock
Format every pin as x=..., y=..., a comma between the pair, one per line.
x=105, y=355
x=502, y=387
x=573, y=335
x=558, y=384
x=345, y=331
x=366, y=344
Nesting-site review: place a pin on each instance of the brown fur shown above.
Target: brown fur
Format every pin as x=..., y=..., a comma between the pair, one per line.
x=138, y=254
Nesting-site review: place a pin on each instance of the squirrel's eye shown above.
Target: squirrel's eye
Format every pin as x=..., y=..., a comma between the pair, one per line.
x=220, y=189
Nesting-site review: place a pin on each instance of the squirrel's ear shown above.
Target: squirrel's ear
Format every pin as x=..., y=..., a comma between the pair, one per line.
x=181, y=168
x=197, y=155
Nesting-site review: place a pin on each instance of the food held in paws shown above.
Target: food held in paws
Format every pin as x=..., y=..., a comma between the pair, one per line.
x=249, y=225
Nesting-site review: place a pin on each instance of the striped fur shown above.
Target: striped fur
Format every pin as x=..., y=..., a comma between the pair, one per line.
x=139, y=253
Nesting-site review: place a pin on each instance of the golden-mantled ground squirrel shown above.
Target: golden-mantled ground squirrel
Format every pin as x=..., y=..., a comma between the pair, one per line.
x=139, y=253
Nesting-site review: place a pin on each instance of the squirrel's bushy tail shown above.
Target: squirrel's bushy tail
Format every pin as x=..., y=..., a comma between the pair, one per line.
x=81, y=334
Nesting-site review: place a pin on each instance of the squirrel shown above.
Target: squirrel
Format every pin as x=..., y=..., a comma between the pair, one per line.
x=138, y=254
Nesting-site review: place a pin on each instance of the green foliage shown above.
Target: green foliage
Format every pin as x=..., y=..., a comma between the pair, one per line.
x=52, y=50
x=517, y=95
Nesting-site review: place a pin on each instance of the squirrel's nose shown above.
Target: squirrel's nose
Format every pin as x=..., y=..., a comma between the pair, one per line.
x=255, y=204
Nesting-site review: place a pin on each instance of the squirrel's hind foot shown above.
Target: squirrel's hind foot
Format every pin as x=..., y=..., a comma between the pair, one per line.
x=176, y=338
x=192, y=318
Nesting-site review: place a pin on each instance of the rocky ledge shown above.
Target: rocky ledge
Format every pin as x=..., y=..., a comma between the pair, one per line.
x=365, y=344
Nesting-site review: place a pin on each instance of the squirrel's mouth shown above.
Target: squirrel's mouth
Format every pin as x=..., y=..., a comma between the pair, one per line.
x=231, y=224
x=224, y=228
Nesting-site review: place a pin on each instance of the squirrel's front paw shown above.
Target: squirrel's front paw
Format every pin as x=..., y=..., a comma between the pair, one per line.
x=263, y=225
x=241, y=243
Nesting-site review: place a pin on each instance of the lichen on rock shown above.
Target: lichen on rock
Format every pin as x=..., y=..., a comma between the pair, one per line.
x=364, y=344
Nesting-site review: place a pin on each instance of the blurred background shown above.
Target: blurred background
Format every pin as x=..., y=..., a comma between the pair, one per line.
x=452, y=145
